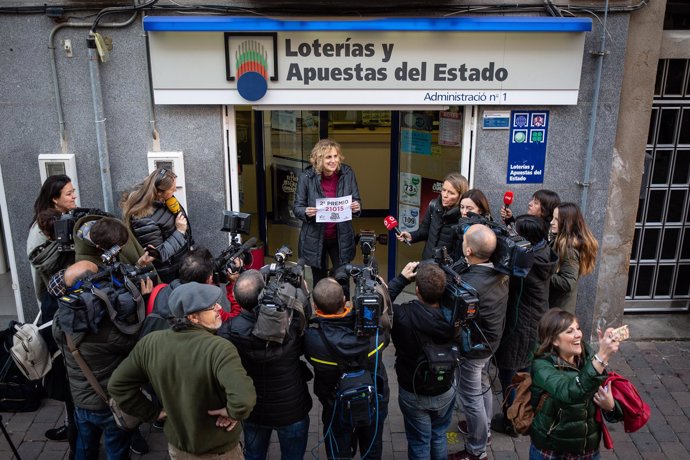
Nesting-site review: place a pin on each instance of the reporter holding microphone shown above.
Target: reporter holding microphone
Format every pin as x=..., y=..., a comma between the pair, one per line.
x=158, y=221
x=443, y=212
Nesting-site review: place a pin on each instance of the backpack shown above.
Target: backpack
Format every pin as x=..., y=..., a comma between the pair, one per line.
x=17, y=393
x=434, y=371
x=30, y=351
x=521, y=412
x=277, y=304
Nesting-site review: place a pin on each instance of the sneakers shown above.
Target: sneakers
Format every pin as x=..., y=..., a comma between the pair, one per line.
x=137, y=444
x=158, y=424
x=57, y=434
x=500, y=424
x=464, y=455
x=462, y=428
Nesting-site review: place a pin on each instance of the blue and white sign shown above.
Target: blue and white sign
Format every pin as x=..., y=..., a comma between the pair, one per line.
x=527, y=147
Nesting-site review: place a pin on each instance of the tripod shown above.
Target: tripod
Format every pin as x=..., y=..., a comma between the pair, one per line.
x=9, y=440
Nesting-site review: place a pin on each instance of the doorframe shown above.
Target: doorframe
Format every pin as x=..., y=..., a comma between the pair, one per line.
x=7, y=232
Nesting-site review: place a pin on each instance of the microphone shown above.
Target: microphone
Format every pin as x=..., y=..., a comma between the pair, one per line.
x=173, y=205
x=391, y=223
x=508, y=198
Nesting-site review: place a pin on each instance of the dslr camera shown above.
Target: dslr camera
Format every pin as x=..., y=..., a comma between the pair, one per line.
x=117, y=270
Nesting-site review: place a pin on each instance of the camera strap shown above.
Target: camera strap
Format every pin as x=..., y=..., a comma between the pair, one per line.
x=128, y=329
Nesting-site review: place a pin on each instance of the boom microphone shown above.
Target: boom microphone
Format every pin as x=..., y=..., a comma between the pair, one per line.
x=391, y=223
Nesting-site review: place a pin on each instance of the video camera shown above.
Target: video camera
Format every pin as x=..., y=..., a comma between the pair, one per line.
x=513, y=255
x=235, y=223
x=281, y=271
x=366, y=299
x=63, y=228
x=116, y=269
x=459, y=297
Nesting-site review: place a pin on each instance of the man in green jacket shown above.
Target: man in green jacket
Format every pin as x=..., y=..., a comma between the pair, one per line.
x=197, y=376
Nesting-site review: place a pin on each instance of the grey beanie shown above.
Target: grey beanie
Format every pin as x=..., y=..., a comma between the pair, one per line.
x=193, y=297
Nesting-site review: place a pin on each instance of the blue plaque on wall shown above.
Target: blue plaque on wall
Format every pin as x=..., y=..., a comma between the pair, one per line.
x=527, y=146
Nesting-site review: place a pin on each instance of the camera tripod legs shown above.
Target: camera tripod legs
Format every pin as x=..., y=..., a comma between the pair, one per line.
x=9, y=440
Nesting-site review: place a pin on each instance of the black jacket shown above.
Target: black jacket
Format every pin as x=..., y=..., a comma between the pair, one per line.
x=311, y=235
x=492, y=291
x=280, y=377
x=527, y=303
x=436, y=228
x=349, y=348
x=409, y=317
x=159, y=231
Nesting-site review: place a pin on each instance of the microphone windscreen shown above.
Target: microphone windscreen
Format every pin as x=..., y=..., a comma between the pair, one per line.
x=508, y=198
x=390, y=222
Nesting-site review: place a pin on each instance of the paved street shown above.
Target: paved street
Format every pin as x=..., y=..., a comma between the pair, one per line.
x=660, y=370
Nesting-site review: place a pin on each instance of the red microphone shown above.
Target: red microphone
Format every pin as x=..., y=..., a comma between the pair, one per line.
x=508, y=198
x=391, y=223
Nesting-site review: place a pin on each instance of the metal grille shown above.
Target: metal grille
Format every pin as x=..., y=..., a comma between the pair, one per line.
x=659, y=276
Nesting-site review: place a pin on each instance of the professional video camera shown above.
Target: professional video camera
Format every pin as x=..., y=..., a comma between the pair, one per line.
x=233, y=223
x=283, y=271
x=459, y=298
x=64, y=226
x=513, y=255
x=367, y=300
x=115, y=268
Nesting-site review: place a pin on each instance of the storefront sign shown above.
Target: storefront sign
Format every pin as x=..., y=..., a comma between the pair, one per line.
x=450, y=62
x=527, y=147
x=496, y=120
x=334, y=210
x=284, y=185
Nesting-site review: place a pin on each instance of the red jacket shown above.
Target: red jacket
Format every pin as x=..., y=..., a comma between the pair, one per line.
x=636, y=412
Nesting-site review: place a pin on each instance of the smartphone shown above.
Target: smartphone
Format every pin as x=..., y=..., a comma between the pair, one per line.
x=620, y=334
x=153, y=252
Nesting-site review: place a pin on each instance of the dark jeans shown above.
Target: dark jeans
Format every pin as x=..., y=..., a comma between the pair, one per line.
x=330, y=251
x=342, y=442
x=90, y=425
x=292, y=439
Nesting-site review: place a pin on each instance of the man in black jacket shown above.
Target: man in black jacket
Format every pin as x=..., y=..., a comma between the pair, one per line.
x=425, y=401
x=333, y=348
x=474, y=389
x=280, y=378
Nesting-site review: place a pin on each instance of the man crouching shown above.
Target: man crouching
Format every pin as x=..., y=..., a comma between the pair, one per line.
x=197, y=376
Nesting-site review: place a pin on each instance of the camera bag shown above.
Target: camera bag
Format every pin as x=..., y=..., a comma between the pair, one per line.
x=273, y=320
x=435, y=369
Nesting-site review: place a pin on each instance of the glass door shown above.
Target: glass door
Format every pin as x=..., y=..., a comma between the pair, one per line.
x=430, y=146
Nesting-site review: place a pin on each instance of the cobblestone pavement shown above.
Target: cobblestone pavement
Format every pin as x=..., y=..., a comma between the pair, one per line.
x=660, y=370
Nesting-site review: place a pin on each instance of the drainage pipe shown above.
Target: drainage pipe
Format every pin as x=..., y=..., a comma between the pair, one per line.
x=53, y=66
x=593, y=119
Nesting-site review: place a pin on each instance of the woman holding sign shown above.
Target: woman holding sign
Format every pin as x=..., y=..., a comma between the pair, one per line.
x=327, y=177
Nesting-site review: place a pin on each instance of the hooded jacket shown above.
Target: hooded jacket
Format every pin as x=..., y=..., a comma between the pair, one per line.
x=349, y=348
x=528, y=300
x=311, y=236
x=436, y=228
x=566, y=422
x=410, y=317
x=280, y=377
x=84, y=248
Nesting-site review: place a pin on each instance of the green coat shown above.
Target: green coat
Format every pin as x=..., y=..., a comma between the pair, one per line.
x=191, y=371
x=86, y=250
x=563, y=286
x=566, y=422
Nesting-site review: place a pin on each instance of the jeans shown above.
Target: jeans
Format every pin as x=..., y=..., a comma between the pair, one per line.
x=90, y=425
x=474, y=392
x=535, y=454
x=342, y=442
x=426, y=422
x=292, y=438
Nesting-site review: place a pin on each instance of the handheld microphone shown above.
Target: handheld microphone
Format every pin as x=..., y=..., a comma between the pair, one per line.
x=391, y=223
x=508, y=198
x=173, y=205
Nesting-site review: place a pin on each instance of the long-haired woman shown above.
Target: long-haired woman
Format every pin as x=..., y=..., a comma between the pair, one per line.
x=443, y=212
x=577, y=250
x=567, y=376
x=58, y=193
x=542, y=204
x=158, y=221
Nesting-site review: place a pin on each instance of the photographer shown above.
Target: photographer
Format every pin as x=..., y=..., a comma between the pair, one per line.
x=340, y=356
x=102, y=350
x=280, y=378
x=474, y=390
x=426, y=399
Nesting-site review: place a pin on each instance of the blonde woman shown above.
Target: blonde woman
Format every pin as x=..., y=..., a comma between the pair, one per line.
x=577, y=250
x=443, y=212
x=159, y=222
x=327, y=177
